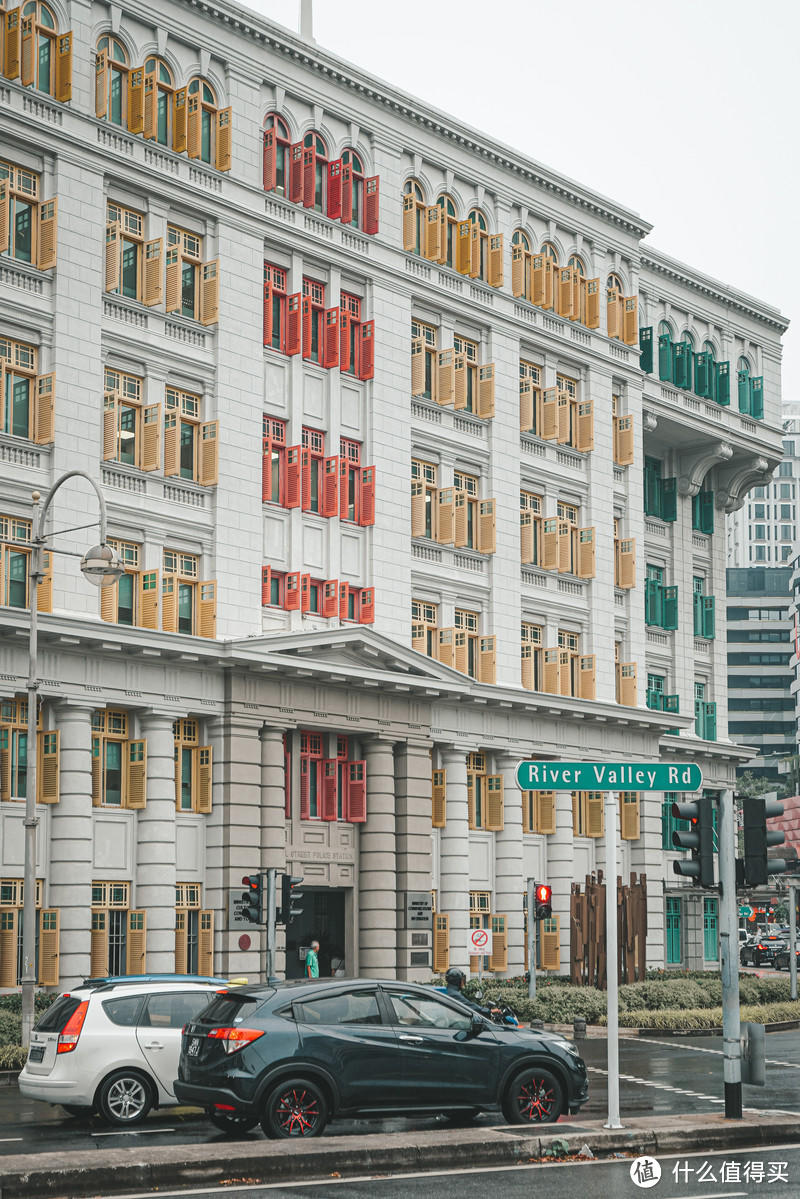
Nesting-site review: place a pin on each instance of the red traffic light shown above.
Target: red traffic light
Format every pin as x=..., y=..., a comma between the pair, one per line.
x=544, y=893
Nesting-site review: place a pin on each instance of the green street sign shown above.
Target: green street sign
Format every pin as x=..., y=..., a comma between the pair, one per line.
x=745, y=910
x=609, y=776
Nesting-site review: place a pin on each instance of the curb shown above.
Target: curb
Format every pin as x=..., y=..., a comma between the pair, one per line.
x=80, y=1174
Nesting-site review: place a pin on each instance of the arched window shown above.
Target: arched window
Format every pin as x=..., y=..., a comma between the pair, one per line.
x=111, y=80
x=615, y=281
x=315, y=171
x=353, y=161
x=158, y=89
x=476, y=217
x=276, y=154
x=520, y=238
x=413, y=216
x=743, y=365
x=708, y=348
x=549, y=251
x=38, y=58
x=451, y=224
x=577, y=265
x=664, y=327
x=201, y=119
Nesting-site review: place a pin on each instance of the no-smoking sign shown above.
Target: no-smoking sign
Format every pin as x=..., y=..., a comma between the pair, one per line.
x=480, y=941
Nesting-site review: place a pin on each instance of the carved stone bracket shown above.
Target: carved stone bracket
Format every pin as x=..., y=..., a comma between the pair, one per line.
x=741, y=477
x=649, y=421
x=696, y=467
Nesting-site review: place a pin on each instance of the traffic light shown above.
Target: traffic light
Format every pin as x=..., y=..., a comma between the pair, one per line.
x=757, y=839
x=253, y=898
x=699, y=837
x=543, y=896
x=289, y=898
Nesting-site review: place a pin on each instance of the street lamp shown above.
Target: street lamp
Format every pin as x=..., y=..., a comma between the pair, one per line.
x=102, y=566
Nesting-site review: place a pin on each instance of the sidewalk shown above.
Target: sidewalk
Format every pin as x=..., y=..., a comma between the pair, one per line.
x=84, y=1173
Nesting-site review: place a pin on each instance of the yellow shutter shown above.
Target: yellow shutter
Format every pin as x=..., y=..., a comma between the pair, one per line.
x=173, y=278
x=444, y=516
x=528, y=801
x=48, y=745
x=179, y=120
x=548, y=558
x=439, y=798
x=564, y=293
x=549, y=944
x=526, y=536
x=150, y=105
x=151, y=437
x=494, y=803
x=586, y=564
x=564, y=546
x=563, y=418
x=209, y=293
x=409, y=223
x=136, y=100
x=461, y=651
x=486, y=391
x=44, y=413
x=496, y=260
x=202, y=779
x=8, y=947
x=136, y=942
x=169, y=603
x=630, y=320
x=444, y=644
x=109, y=426
x=592, y=304
x=112, y=256
x=48, y=234
x=181, y=942
x=417, y=509
x=545, y=812
x=442, y=259
x=148, y=599
x=193, y=125
x=487, y=534
x=549, y=427
x=586, y=676
x=459, y=381
x=565, y=672
x=625, y=563
x=98, y=965
x=108, y=603
x=101, y=84
x=613, y=312
x=135, y=774
x=49, y=928
x=538, y=280
x=462, y=255
x=205, y=942
x=474, y=251
x=584, y=439
x=153, y=272
x=471, y=800
x=4, y=215
x=97, y=772
x=526, y=660
x=224, y=147
x=518, y=270
x=629, y=817
x=207, y=609
x=460, y=522
x=44, y=590
x=431, y=246
x=171, y=442
x=550, y=671
x=525, y=405
x=487, y=659
x=623, y=440
x=441, y=944
x=209, y=453
x=417, y=366
x=445, y=377
x=595, y=818
x=626, y=684
x=419, y=641
x=64, y=67
x=498, y=958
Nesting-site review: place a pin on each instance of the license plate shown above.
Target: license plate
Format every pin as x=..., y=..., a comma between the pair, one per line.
x=36, y=1053
x=194, y=1047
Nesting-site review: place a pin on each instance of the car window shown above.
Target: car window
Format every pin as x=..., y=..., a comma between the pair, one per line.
x=420, y=1011
x=348, y=1007
x=173, y=1010
x=123, y=1010
x=55, y=1018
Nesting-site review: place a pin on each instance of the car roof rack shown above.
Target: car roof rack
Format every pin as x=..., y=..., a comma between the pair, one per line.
x=109, y=982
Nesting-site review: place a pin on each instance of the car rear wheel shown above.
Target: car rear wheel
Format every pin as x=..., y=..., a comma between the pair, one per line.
x=125, y=1098
x=533, y=1096
x=231, y=1122
x=295, y=1108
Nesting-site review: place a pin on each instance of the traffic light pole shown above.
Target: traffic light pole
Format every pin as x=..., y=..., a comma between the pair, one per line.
x=531, y=939
x=729, y=942
x=612, y=959
x=793, y=939
x=269, y=971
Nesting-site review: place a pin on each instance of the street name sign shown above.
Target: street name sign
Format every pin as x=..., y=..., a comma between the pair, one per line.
x=745, y=910
x=609, y=776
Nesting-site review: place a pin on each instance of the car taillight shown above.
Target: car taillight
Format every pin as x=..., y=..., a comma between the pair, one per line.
x=759, y=946
x=68, y=1039
x=234, y=1039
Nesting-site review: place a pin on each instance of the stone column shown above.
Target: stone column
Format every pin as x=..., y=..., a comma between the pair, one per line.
x=273, y=821
x=508, y=869
x=453, y=897
x=560, y=870
x=377, y=891
x=71, y=843
x=156, y=862
x=414, y=846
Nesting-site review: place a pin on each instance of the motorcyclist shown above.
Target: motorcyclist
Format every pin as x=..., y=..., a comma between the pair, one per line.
x=455, y=980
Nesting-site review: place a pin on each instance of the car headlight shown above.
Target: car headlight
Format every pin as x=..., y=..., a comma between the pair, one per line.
x=569, y=1046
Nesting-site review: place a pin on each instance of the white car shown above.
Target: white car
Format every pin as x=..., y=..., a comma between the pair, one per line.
x=113, y=1047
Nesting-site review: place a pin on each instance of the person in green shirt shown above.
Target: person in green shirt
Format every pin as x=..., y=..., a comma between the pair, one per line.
x=312, y=961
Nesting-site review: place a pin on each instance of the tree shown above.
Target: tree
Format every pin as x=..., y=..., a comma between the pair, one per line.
x=751, y=786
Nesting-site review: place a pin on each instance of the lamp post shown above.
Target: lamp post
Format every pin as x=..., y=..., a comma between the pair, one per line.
x=102, y=566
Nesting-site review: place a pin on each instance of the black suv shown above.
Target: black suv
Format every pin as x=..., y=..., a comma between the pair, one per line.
x=761, y=950
x=299, y=1054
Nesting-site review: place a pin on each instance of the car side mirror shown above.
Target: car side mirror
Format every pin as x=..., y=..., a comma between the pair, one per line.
x=477, y=1024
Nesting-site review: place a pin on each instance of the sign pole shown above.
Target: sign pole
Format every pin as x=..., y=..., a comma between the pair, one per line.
x=272, y=874
x=531, y=940
x=612, y=960
x=793, y=939
x=729, y=953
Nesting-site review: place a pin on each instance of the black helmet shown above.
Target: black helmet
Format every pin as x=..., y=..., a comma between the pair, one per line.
x=455, y=978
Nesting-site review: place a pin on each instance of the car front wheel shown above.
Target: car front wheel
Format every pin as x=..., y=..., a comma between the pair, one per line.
x=125, y=1098
x=230, y=1122
x=533, y=1096
x=295, y=1108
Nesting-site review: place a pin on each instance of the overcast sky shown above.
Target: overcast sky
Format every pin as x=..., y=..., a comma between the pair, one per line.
x=687, y=113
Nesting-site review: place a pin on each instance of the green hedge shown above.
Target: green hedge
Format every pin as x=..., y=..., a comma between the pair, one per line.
x=12, y=1057
x=708, y=1017
x=11, y=1022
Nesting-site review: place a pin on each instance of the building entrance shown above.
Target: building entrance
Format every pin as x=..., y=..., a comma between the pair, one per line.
x=322, y=919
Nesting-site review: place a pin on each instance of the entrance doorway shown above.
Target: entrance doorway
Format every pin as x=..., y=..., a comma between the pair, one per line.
x=322, y=919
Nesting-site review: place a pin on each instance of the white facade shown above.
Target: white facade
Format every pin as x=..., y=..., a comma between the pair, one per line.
x=263, y=675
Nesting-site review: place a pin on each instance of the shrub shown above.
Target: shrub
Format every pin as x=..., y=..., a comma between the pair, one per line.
x=710, y=1017
x=12, y=1057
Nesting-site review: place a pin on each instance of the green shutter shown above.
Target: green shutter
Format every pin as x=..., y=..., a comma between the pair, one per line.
x=652, y=601
x=699, y=718
x=703, y=512
x=665, y=358
x=646, y=349
x=672, y=704
x=757, y=397
x=710, y=720
x=682, y=367
x=744, y=391
x=703, y=374
x=707, y=620
x=652, y=488
x=669, y=499
x=670, y=608
x=697, y=611
x=722, y=371
x=655, y=699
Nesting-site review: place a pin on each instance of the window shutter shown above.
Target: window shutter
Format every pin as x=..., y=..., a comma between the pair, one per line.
x=630, y=321
x=665, y=358
x=136, y=100
x=550, y=671
x=432, y=243
x=207, y=608
x=136, y=774
x=549, y=944
x=486, y=391
x=151, y=438
x=49, y=930
x=308, y=315
x=372, y=188
x=296, y=173
x=179, y=120
x=459, y=381
x=626, y=684
x=495, y=270
x=209, y=293
x=309, y=176
x=98, y=965
x=670, y=617
x=44, y=590
x=169, y=604
x=266, y=586
x=305, y=480
x=586, y=553
x=330, y=598
x=181, y=943
x=194, y=125
x=486, y=527
x=623, y=440
x=460, y=521
x=439, y=798
x=109, y=597
x=8, y=941
x=592, y=304
x=445, y=376
x=626, y=563
x=471, y=801
x=669, y=499
x=539, y=281
x=48, y=745
x=595, y=817
x=366, y=345
x=461, y=651
x=417, y=509
x=330, y=768
x=564, y=546
x=171, y=438
x=462, y=255
x=113, y=258
x=546, y=812
x=209, y=453
x=528, y=799
x=487, y=659
x=494, y=803
x=63, y=90
x=723, y=383
x=347, y=193
x=563, y=410
x=97, y=773
x=150, y=105
x=548, y=558
x=441, y=944
x=498, y=958
x=224, y=147
x=4, y=215
x=517, y=270
x=367, y=606
x=205, y=942
x=270, y=161
x=708, y=620
x=293, y=476
x=586, y=676
x=564, y=293
x=292, y=592
x=44, y=414
x=202, y=777
x=100, y=80
x=525, y=405
x=526, y=537
x=5, y=763
x=756, y=400
x=344, y=600
x=357, y=792
x=629, y=815
x=148, y=599
x=444, y=644
x=584, y=439
x=329, y=500
x=267, y=314
x=646, y=349
x=366, y=478
x=549, y=427
x=475, y=251
x=417, y=363
x=293, y=323
x=48, y=234
x=153, y=287
x=344, y=487
x=330, y=347
x=173, y=278
x=305, y=800
x=136, y=943
x=335, y=189
x=613, y=312
x=409, y=223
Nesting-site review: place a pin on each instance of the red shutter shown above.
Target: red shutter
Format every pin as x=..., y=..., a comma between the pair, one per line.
x=330, y=768
x=366, y=608
x=292, y=597
x=347, y=194
x=366, y=365
x=308, y=316
x=330, y=598
x=305, y=806
x=293, y=327
x=344, y=339
x=270, y=161
x=330, y=488
x=366, y=515
x=371, y=204
x=357, y=792
x=309, y=188
x=296, y=173
x=335, y=189
x=305, y=482
x=344, y=594
x=267, y=314
x=343, y=487
x=293, y=496
x=266, y=469
x=266, y=577
x=305, y=593
x=330, y=349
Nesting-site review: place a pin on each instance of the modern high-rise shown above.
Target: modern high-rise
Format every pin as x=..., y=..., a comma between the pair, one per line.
x=418, y=457
x=764, y=531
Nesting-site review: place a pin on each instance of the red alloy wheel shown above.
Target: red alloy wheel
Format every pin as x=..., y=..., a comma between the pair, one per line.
x=535, y=1100
x=533, y=1096
x=298, y=1112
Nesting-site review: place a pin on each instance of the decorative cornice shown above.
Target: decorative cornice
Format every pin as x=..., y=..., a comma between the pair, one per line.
x=686, y=276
